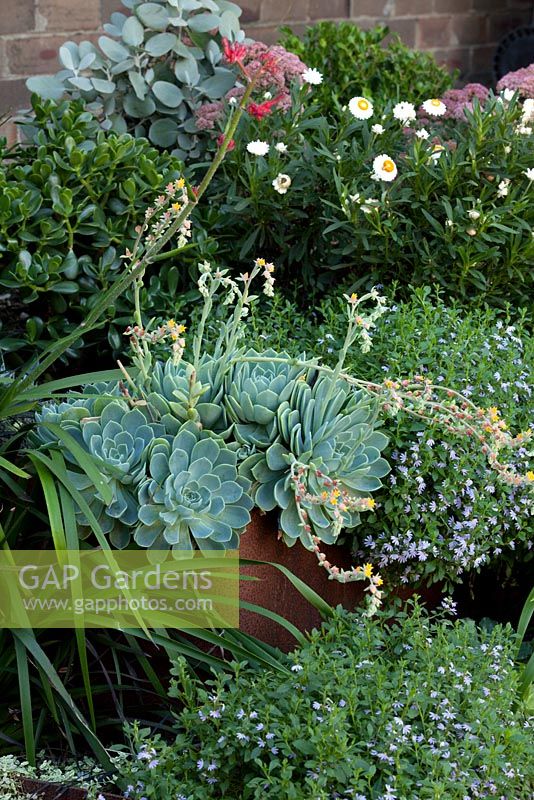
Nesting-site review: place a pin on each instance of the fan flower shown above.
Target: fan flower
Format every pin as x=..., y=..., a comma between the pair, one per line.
x=404, y=112
x=384, y=168
x=258, y=148
x=361, y=108
x=434, y=107
x=312, y=76
x=281, y=183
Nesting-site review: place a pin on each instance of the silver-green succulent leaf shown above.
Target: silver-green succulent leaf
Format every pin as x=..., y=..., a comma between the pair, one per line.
x=152, y=69
x=178, y=393
x=255, y=391
x=332, y=432
x=193, y=495
x=118, y=440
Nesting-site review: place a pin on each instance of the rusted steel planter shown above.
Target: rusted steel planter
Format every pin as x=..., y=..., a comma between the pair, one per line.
x=276, y=593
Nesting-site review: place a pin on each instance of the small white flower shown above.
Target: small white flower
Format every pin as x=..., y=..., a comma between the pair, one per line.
x=312, y=76
x=422, y=133
x=233, y=101
x=384, y=168
x=502, y=189
x=281, y=183
x=360, y=107
x=507, y=149
x=434, y=107
x=378, y=129
x=473, y=214
x=267, y=96
x=296, y=668
x=471, y=232
x=507, y=95
x=524, y=130
x=354, y=198
x=528, y=110
x=369, y=206
x=529, y=173
x=281, y=147
x=449, y=223
x=258, y=148
x=405, y=112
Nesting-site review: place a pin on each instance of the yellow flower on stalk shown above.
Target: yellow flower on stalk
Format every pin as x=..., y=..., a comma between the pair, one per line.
x=260, y=262
x=367, y=570
x=177, y=207
x=530, y=475
x=180, y=183
x=378, y=581
x=371, y=503
x=181, y=329
x=494, y=413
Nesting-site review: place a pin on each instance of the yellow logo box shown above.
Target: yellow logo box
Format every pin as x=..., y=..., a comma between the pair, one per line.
x=119, y=589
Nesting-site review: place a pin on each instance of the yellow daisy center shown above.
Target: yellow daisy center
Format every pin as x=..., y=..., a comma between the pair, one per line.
x=435, y=102
x=388, y=165
x=363, y=104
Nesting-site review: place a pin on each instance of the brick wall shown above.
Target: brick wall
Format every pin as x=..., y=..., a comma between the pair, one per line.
x=461, y=33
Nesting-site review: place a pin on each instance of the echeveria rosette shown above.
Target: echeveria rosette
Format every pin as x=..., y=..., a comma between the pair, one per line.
x=193, y=495
x=118, y=440
x=178, y=393
x=69, y=413
x=332, y=432
x=255, y=391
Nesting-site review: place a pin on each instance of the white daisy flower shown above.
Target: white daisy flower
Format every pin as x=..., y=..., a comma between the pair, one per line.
x=422, y=133
x=361, y=108
x=437, y=150
x=434, y=107
x=528, y=110
x=473, y=214
x=281, y=147
x=312, y=76
x=529, y=173
x=281, y=183
x=258, y=148
x=405, y=112
x=384, y=168
x=378, y=129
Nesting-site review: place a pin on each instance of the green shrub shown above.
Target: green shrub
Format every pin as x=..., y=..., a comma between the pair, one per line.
x=458, y=211
x=70, y=201
x=420, y=708
x=359, y=62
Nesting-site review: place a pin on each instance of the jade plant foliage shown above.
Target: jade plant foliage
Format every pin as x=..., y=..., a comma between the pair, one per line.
x=155, y=65
x=70, y=200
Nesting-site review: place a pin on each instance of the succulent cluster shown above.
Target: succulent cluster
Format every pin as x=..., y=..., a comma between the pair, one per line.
x=187, y=460
x=152, y=70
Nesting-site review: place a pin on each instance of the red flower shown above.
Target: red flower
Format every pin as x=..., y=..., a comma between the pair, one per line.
x=234, y=52
x=261, y=110
x=231, y=143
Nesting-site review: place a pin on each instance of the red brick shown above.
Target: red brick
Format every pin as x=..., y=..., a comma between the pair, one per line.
x=69, y=15
x=482, y=58
x=9, y=131
x=267, y=33
x=454, y=58
x=283, y=10
x=251, y=11
x=331, y=9
x=411, y=8
x=38, y=55
x=433, y=32
x=13, y=95
x=109, y=6
x=469, y=29
x=17, y=16
x=370, y=8
x=452, y=6
x=406, y=28
x=501, y=24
